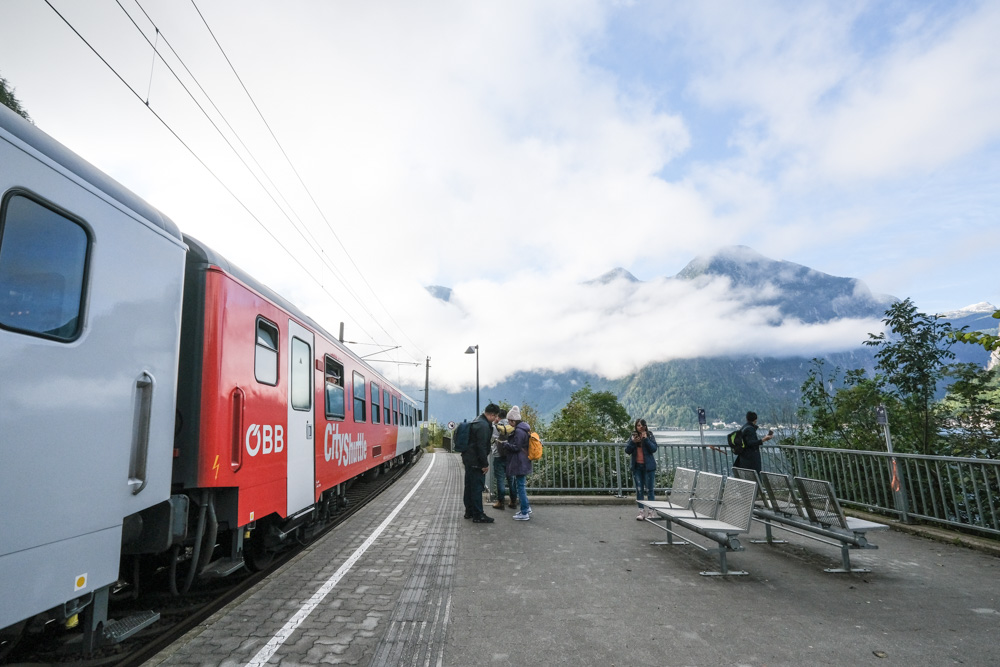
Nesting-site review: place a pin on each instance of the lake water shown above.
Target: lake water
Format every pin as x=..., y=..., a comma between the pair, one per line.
x=717, y=438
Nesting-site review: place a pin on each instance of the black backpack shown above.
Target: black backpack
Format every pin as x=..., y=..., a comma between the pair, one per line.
x=735, y=440
x=461, y=437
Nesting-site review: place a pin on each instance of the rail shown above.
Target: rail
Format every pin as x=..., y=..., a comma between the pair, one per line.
x=949, y=491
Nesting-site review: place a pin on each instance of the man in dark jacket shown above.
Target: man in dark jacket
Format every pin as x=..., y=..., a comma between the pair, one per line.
x=477, y=463
x=750, y=458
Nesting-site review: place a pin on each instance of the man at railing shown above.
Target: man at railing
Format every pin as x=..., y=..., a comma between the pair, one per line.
x=750, y=458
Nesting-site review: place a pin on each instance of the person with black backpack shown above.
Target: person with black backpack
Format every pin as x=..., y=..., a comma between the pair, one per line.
x=477, y=462
x=750, y=455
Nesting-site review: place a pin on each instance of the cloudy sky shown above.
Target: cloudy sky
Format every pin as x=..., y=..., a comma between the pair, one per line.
x=510, y=150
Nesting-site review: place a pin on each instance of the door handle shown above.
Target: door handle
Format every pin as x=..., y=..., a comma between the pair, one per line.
x=139, y=455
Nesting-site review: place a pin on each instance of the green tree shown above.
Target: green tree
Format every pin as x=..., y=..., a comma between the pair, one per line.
x=9, y=99
x=971, y=411
x=914, y=359
x=590, y=416
x=845, y=417
x=989, y=342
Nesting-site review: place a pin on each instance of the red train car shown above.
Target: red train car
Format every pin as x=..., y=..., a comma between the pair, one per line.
x=275, y=416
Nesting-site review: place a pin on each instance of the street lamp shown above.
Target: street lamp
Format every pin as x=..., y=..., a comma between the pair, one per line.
x=474, y=349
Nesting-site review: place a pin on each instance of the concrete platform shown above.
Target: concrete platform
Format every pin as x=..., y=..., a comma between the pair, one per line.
x=581, y=585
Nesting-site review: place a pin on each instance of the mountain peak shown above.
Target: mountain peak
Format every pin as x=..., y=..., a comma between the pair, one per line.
x=974, y=309
x=617, y=273
x=797, y=291
x=439, y=292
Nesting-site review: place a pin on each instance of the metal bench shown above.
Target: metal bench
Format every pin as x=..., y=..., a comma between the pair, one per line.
x=809, y=508
x=682, y=490
x=721, y=519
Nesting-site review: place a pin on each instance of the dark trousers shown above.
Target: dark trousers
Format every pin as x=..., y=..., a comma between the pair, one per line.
x=749, y=459
x=475, y=482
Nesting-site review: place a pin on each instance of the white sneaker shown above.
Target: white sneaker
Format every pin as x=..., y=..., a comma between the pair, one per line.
x=521, y=516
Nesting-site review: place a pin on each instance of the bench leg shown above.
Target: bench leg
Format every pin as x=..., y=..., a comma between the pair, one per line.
x=845, y=556
x=670, y=536
x=724, y=570
x=770, y=538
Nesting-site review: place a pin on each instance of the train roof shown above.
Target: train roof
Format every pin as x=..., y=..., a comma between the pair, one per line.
x=55, y=151
x=210, y=257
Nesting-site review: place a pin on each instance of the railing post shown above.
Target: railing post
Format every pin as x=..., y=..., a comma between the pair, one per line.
x=618, y=470
x=897, y=483
x=899, y=491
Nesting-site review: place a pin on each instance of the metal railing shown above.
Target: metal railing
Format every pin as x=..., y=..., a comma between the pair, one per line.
x=950, y=491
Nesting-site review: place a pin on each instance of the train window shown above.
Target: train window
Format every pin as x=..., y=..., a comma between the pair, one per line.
x=334, y=389
x=360, y=412
x=301, y=374
x=387, y=405
x=395, y=411
x=265, y=359
x=376, y=411
x=43, y=268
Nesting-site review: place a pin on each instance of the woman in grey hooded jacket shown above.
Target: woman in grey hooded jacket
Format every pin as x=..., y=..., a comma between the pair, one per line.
x=518, y=463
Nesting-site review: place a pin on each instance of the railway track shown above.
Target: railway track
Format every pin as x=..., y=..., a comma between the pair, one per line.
x=40, y=647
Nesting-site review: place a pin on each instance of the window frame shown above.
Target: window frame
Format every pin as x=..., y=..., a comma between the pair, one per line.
x=276, y=350
x=84, y=275
x=329, y=361
x=307, y=373
x=358, y=380
x=376, y=406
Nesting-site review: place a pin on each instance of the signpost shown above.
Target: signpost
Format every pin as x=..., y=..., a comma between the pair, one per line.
x=701, y=432
x=898, y=492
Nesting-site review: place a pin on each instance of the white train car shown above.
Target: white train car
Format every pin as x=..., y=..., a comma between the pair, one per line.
x=91, y=279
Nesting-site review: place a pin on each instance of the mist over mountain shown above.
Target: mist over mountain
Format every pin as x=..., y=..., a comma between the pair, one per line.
x=611, y=276
x=797, y=291
x=726, y=384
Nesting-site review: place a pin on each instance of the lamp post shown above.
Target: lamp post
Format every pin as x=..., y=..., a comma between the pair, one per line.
x=474, y=349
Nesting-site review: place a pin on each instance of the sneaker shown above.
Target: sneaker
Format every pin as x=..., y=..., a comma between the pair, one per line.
x=529, y=510
x=468, y=516
x=482, y=518
x=640, y=516
x=521, y=516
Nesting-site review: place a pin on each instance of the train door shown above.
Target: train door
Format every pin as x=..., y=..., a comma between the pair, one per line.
x=299, y=443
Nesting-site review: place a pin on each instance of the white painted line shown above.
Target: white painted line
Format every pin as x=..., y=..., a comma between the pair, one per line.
x=295, y=621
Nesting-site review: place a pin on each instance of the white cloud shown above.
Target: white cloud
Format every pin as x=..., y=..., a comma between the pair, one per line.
x=528, y=323
x=510, y=150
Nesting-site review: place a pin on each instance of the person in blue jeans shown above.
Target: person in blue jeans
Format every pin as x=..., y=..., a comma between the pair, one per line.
x=518, y=463
x=642, y=447
x=504, y=481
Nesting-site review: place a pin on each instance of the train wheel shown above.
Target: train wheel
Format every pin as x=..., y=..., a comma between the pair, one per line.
x=256, y=555
x=9, y=637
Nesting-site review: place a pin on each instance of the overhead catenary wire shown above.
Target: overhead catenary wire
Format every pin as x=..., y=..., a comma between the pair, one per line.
x=323, y=259
x=301, y=181
x=189, y=149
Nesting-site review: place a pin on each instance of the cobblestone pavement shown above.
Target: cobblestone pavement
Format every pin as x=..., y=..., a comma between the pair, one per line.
x=386, y=606
x=582, y=585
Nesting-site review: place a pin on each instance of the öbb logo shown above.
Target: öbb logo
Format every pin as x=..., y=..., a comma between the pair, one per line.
x=265, y=439
x=339, y=447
